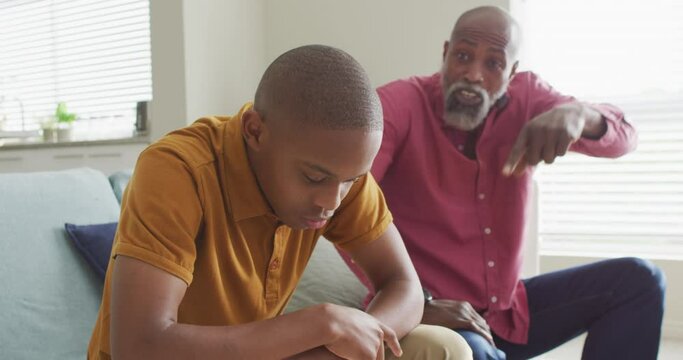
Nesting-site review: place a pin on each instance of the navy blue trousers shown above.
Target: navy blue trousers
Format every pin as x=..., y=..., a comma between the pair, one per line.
x=619, y=302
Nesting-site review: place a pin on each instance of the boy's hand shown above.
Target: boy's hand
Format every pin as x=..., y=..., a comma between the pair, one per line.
x=319, y=353
x=358, y=335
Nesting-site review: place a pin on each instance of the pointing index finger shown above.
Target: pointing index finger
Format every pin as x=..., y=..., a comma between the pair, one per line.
x=516, y=154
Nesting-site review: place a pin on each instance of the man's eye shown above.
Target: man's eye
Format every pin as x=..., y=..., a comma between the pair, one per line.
x=462, y=56
x=495, y=64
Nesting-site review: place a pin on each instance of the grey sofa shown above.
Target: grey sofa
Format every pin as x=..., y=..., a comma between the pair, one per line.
x=49, y=295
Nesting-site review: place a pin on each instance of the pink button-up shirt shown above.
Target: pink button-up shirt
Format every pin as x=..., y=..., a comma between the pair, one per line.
x=461, y=220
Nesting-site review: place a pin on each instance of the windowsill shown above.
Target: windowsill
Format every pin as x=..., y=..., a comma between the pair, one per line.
x=85, y=140
x=648, y=252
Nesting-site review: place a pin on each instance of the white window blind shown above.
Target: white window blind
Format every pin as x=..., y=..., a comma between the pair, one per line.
x=630, y=54
x=94, y=55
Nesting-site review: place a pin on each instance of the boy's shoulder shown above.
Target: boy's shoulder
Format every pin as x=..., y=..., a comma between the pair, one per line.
x=196, y=145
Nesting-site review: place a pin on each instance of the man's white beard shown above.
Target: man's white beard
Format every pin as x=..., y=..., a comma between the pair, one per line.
x=467, y=117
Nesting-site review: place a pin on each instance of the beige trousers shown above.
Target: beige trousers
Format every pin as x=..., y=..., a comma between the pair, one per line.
x=428, y=342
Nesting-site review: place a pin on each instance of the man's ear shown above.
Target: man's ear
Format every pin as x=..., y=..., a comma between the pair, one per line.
x=514, y=69
x=445, y=50
x=253, y=129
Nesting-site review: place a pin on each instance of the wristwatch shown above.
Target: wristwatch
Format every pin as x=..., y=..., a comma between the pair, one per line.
x=427, y=294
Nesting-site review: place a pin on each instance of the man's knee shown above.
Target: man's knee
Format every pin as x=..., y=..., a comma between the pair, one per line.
x=433, y=342
x=648, y=276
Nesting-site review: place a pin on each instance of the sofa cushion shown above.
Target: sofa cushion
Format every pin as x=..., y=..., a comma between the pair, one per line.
x=49, y=296
x=94, y=243
x=119, y=181
x=327, y=279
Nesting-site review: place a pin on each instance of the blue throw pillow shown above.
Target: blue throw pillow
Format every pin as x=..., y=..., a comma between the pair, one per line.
x=94, y=242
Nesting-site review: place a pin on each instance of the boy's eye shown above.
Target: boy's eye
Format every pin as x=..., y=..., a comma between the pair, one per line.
x=315, y=179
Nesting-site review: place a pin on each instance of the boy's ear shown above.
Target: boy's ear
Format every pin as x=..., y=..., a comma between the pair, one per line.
x=253, y=129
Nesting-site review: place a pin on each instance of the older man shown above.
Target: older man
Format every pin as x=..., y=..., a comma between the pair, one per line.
x=456, y=167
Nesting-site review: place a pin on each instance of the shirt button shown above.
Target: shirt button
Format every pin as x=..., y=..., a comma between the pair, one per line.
x=487, y=231
x=461, y=147
x=481, y=196
x=491, y=263
x=494, y=299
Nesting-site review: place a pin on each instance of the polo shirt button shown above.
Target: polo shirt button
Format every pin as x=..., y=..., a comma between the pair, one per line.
x=491, y=263
x=494, y=299
x=487, y=231
x=481, y=196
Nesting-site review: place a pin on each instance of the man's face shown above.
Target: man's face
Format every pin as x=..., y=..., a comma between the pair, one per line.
x=475, y=74
x=306, y=172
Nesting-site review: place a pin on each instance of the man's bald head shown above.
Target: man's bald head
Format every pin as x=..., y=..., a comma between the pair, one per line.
x=492, y=24
x=321, y=86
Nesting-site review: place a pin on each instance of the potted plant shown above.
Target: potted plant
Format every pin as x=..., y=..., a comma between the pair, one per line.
x=61, y=123
x=49, y=127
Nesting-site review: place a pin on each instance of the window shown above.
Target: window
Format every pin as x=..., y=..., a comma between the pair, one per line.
x=628, y=53
x=92, y=55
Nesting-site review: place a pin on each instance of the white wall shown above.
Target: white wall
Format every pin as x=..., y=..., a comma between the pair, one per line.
x=390, y=38
x=168, y=106
x=207, y=58
x=225, y=54
x=208, y=55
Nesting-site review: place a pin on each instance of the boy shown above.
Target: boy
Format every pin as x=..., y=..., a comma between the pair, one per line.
x=220, y=218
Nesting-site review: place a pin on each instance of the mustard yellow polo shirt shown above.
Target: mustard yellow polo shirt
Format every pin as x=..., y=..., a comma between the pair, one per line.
x=193, y=208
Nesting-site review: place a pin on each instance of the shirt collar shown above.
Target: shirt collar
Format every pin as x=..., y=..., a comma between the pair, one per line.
x=244, y=194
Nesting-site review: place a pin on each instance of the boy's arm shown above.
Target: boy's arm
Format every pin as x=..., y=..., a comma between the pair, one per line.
x=144, y=324
x=399, y=302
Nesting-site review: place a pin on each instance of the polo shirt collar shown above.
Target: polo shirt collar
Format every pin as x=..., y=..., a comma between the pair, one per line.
x=245, y=196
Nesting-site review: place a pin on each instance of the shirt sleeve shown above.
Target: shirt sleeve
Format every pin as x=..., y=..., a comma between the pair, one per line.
x=394, y=127
x=161, y=213
x=361, y=218
x=619, y=139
